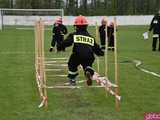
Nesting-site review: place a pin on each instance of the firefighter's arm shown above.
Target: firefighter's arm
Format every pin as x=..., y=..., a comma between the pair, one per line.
x=68, y=41
x=65, y=31
x=151, y=25
x=53, y=29
x=97, y=50
x=100, y=29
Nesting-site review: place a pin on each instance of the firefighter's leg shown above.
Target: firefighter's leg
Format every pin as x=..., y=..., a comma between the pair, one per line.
x=112, y=43
x=154, y=43
x=52, y=44
x=88, y=70
x=59, y=43
x=109, y=43
x=72, y=69
x=62, y=48
x=159, y=43
x=58, y=47
x=102, y=43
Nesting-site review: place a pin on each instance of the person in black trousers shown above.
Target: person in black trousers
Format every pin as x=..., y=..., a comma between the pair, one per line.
x=111, y=36
x=155, y=26
x=58, y=31
x=102, y=33
x=83, y=52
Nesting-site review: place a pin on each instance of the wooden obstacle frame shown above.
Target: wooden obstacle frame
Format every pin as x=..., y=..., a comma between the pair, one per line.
x=40, y=69
x=116, y=90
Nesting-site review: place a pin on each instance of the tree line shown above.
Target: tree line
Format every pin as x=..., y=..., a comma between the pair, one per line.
x=89, y=7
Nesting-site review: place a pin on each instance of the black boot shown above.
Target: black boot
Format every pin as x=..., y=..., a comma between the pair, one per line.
x=72, y=82
x=89, y=72
x=89, y=78
x=154, y=49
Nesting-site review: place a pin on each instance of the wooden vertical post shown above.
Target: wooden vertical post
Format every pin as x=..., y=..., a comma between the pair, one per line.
x=116, y=64
x=98, y=63
x=42, y=61
x=106, y=53
x=39, y=60
x=106, y=50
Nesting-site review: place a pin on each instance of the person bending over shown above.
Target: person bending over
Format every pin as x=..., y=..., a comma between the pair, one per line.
x=84, y=48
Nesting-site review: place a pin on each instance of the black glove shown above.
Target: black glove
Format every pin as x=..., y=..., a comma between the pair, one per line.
x=51, y=49
x=101, y=53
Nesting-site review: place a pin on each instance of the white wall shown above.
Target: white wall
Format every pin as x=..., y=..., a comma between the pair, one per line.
x=69, y=20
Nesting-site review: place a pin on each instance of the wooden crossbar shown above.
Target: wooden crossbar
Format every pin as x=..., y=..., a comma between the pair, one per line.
x=73, y=87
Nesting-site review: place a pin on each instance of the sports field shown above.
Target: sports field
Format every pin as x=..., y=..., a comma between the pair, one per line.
x=19, y=98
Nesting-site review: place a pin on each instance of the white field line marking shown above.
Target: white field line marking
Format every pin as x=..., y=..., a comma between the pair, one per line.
x=72, y=87
x=56, y=75
x=81, y=81
x=18, y=52
x=29, y=28
x=62, y=76
x=138, y=63
x=54, y=69
x=55, y=62
x=58, y=58
x=57, y=65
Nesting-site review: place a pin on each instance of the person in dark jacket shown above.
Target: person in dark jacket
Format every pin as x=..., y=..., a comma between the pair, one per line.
x=58, y=31
x=111, y=36
x=84, y=48
x=102, y=33
x=155, y=26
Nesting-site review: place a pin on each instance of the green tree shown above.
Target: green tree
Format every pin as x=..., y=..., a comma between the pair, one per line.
x=4, y=3
x=24, y=4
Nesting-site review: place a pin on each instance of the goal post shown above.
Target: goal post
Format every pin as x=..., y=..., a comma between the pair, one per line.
x=1, y=19
x=27, y=17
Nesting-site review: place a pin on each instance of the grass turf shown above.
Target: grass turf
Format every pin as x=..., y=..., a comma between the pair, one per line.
x=19, y=95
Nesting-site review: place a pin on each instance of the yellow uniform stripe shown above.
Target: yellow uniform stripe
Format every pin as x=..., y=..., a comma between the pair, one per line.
x=84, y=40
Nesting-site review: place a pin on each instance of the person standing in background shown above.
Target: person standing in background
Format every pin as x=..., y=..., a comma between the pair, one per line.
x=155, y=26
x=58, y=31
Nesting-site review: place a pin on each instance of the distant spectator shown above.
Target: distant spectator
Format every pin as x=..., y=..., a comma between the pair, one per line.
x=102, y=33
x=155, y=26
x=111, y=36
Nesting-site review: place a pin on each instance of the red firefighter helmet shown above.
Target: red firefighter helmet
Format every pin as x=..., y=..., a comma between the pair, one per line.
x=80, y=20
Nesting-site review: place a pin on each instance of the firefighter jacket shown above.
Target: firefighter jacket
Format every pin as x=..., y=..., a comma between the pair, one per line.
x=84, y=45
x=155, y=24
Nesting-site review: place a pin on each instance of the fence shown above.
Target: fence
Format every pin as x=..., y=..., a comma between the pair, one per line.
x=69, y=20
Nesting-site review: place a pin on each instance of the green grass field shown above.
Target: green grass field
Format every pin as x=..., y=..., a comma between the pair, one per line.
x=19, y=98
